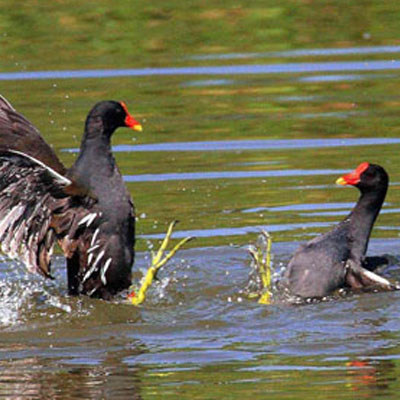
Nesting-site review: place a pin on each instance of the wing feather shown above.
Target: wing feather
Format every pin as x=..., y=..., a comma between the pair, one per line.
x=17, y=133
x=35, y=211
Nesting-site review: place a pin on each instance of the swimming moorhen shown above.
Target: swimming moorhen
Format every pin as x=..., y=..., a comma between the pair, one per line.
x=336, y=259
x=87, y=209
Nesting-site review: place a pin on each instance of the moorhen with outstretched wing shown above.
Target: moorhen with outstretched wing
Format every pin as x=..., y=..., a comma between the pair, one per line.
x=87, y=209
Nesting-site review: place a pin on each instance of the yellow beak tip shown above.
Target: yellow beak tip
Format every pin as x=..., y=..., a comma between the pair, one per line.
x=340, y=181
x=137, y=128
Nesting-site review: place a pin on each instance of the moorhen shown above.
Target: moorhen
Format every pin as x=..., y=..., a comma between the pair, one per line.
x=336, y=259
x=87, y=209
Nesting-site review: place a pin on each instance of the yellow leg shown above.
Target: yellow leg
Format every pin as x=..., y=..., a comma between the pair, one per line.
x=156, y=263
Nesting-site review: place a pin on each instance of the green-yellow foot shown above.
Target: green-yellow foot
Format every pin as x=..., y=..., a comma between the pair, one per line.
x=158, y=260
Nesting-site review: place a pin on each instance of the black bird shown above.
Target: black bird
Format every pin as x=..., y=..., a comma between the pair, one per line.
x=336, y=259
x=87, y=209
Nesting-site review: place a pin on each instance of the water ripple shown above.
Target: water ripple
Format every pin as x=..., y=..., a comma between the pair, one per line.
x=239, y=231
x=288, y=68
x=301, y=207
x=303, y=53
x=262, y=144
x=183, y=176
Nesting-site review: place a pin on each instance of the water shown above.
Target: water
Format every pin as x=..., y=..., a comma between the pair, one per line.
x=250, y=113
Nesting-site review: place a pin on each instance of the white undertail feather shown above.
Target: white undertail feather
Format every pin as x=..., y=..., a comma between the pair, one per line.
x=376, y=278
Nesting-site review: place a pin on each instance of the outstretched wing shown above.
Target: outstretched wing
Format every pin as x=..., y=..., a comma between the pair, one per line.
x=35, y=210
x=17, y=133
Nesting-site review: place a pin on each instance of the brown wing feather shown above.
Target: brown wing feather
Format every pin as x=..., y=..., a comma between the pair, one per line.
x=35, y=211
x=17, y=133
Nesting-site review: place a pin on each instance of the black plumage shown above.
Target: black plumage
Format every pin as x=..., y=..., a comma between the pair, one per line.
x=86, y=208
x=337, y=259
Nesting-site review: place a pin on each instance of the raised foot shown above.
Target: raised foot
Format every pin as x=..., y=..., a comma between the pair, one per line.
x=158, y=260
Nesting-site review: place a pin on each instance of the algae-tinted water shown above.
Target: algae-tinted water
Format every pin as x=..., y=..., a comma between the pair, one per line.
x=250, y=113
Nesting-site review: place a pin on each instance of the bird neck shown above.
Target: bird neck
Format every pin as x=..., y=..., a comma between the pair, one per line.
x=362, y=220
x=95, y=159
x=96, y=135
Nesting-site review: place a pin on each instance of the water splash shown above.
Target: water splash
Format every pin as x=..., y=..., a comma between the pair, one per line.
x=11, y=303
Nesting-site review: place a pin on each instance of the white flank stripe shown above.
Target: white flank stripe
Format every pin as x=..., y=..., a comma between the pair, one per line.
x=92, y=291
x=104, y=270
x=88, y=219
x=98, y=258
x=88, y=273
x=96, y=232
x=93, y=248
x=93, y=267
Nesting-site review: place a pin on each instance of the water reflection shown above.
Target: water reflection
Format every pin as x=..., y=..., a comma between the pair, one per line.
x=35, y=378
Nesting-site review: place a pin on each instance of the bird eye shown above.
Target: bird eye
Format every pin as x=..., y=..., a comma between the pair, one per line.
x=369, y=174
